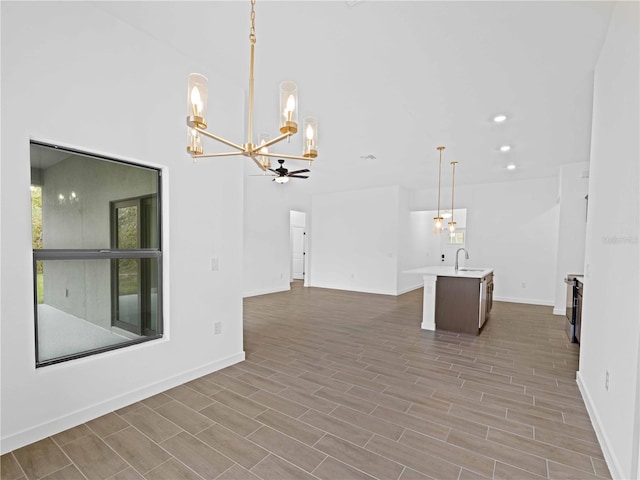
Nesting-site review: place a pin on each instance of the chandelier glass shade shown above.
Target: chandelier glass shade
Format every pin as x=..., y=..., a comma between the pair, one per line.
x=258, y=151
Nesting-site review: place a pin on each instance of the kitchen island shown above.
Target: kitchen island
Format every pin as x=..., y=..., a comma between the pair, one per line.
x=458, y=301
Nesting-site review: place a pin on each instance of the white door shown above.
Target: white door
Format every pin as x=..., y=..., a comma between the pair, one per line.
x=297, y=252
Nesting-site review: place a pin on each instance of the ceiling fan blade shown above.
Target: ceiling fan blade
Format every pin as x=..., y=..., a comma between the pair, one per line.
x=298, y=176
x=272, y=170
x=305, y=170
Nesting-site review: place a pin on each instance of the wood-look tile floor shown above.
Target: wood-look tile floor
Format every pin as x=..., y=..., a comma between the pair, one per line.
x=343, y=385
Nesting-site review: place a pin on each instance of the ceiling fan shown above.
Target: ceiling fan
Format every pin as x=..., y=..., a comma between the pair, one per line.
x=283, y=175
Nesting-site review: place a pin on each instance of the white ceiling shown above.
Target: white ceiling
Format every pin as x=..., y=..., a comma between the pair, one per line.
x=396, y=79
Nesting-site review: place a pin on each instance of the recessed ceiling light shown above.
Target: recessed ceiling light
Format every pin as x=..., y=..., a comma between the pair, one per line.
x=499, y=118
x=511, y=166
x=505, y=148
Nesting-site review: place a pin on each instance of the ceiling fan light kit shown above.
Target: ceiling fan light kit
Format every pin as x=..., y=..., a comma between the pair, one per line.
x=259, y=153
x=283, y=174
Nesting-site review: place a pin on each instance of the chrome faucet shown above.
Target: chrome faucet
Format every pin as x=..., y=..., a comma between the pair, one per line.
x=466, y=256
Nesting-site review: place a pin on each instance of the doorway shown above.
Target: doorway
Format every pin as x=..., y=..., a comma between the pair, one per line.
x=297, y=226
x=133, y=296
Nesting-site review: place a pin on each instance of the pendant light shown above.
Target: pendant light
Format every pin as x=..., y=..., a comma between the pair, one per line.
x=452, y=223
x=438, y=222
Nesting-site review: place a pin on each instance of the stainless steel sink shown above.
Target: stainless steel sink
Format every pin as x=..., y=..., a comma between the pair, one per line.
x=471, y=269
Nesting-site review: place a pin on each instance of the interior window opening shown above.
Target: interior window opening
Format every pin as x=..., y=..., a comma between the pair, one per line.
x=97, y=257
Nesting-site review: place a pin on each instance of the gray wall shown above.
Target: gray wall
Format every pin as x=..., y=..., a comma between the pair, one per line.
x=82, y=287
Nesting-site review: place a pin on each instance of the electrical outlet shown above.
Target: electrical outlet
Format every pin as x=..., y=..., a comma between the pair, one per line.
x=217, y=328
x=606, y=380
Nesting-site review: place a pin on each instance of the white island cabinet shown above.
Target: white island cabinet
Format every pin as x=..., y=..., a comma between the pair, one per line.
x=458, y=301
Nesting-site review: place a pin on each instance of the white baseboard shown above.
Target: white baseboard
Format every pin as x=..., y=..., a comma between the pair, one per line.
x=353, y=288
x=611, y=459
x=559, y=311
x=34, y=434
x=409, y=289
x=530, y=301
x=266, y=291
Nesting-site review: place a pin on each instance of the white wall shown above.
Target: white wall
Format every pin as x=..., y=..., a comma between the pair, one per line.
x=355, y=240
x=513, y=228
x=409, y=226
x=574, y=185
x=267, y=256
x=75, y=75
x=610, y=339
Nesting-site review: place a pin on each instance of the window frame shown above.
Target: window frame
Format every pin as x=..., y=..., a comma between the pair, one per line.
x=110, y=254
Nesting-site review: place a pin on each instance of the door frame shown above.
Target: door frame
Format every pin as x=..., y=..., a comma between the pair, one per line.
x=298, y=219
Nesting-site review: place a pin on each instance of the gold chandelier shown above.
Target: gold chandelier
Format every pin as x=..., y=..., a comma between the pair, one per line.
x=259, y=153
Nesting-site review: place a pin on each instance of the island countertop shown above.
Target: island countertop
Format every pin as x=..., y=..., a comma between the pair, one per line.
x=444, y=271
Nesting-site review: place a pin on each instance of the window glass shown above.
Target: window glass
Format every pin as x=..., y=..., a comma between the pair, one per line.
x=97, y=257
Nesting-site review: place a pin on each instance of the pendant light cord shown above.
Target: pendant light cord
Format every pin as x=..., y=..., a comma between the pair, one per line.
x=252, y=39
x=453, y=184
x=439, y=177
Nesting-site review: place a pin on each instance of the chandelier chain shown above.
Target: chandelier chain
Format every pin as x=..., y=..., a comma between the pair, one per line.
x=252, y=33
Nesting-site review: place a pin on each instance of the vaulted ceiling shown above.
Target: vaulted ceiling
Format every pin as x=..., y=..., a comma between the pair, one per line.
x=394, y=80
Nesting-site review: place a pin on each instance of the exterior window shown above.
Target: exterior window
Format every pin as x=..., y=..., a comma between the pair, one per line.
x=97, y=256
